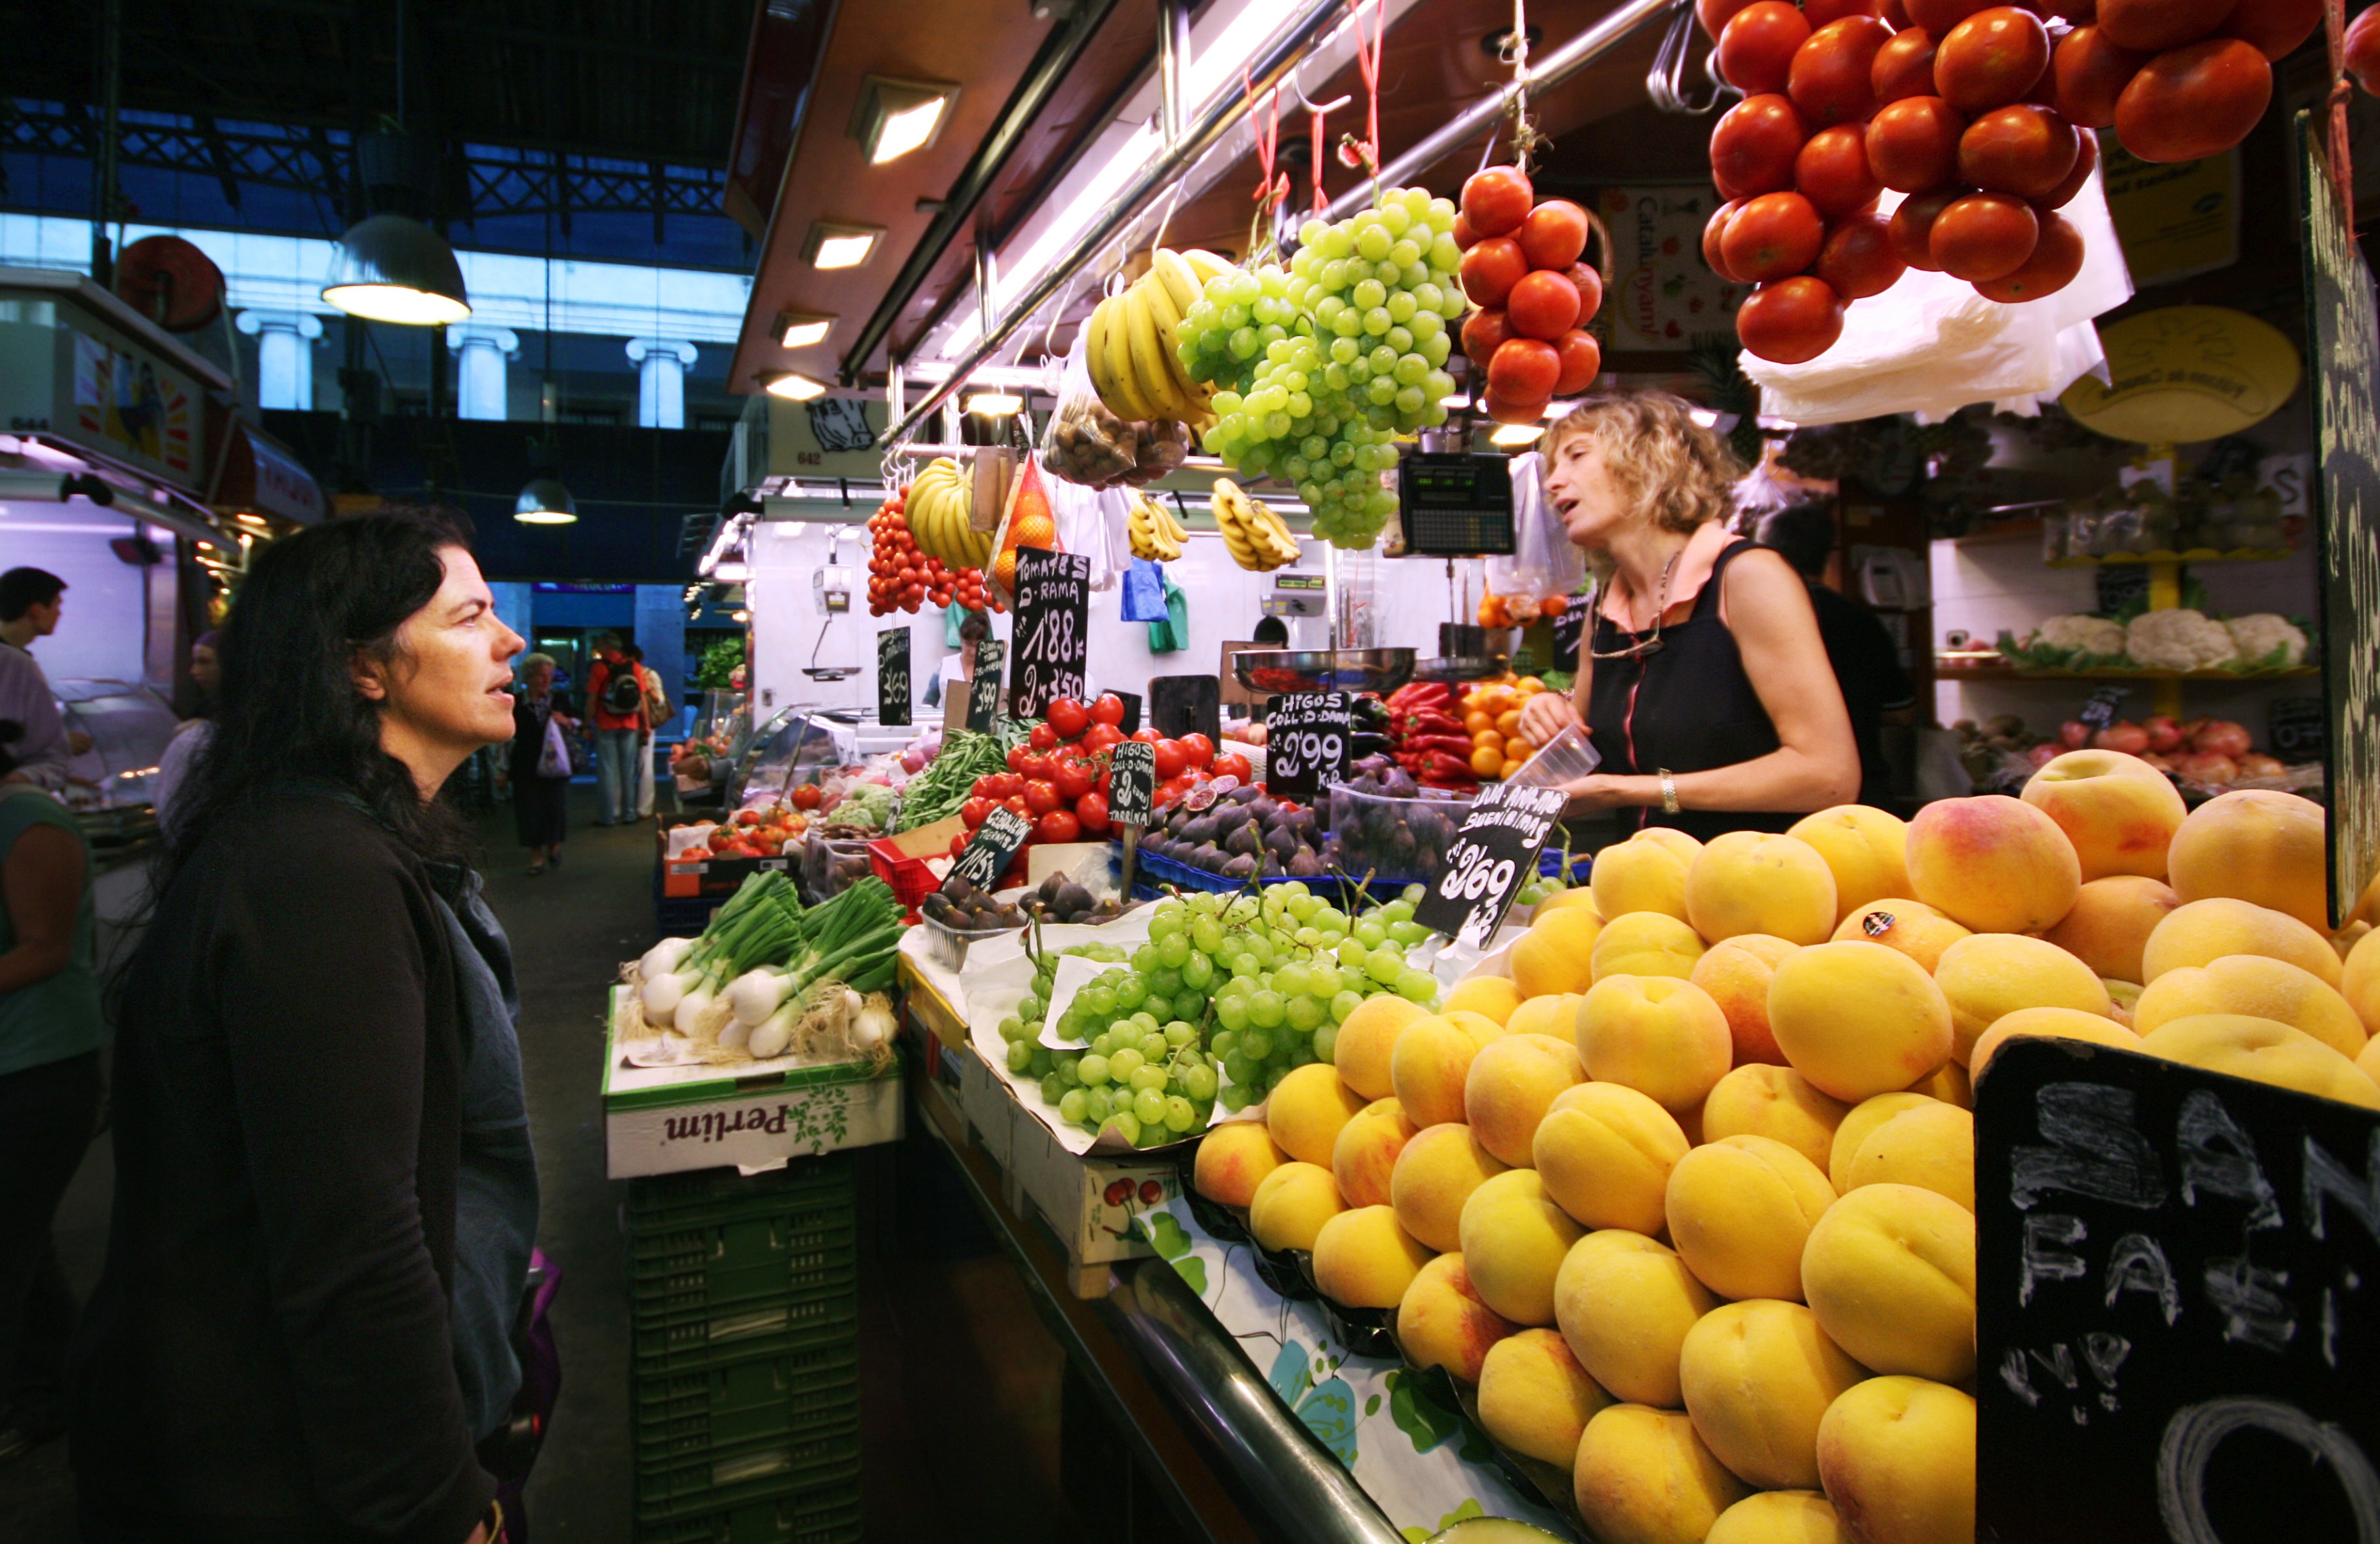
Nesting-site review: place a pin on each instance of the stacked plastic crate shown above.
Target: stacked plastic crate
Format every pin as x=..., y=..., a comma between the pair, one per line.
x=744, y=1295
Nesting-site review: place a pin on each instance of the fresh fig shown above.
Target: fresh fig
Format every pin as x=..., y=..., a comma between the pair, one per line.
x=1240, y=867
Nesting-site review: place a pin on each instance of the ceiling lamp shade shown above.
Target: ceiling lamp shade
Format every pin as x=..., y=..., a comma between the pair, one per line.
x=545, y=502
x=791, y=384
x=832, y=244
x=392, y=268
x=802, y=329
x=893, y=118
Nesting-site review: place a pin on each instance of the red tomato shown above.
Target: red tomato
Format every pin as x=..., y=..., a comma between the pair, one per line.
x=1092, y=810
x=1832, y=171
x=1036, y=768
x=1043, y=737
x=1543, y=305
x=1108, y=709
x=1060, y=825
x=1756, y=50
x=1991, y=59
x=1821, y=12
x=1790, y=322
x=2275, y=26
x=1496, y=201
x=2022, y=150
x=1581, y=359
x=1102, y=736
x=2153, y=26
x=1895, y=15
x=958, y=844
x=1912, y=144
x=1016, y=802
x=1751, y=150
x=1506, y=410
x=2056, y=260
x=1491, y=268
x=1484, y=332
x=2091, y=71
x=1858, y=259
x=1715, y=15
x=1773, y=236
x=2196, y=102
x=2086, y=161
x=1040, y=797
x=1832, y=77
x=1069, y=718
x=1983, y=236
x=1170, y=792
x=1171, y=760
x=1200, y=749
x=1905, y=66
x=975, y=811
x=1074, y=775
x=1233, y=765
x=1523, y=370
x=985, y=787
x=1146, y=734
x=1589, y=284
x=1714, y=233
x=1020, y=756
x=1938, y=17
x=1553, y=234
x=1912, y=226
x=1465, y=237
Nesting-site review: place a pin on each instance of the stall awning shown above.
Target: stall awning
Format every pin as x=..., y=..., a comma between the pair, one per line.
x=263, y=475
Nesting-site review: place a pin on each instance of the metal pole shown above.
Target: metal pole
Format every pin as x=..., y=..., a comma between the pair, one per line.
x=1556, y=68
x=1172, y=64
x=111, y=91
x=1313, y=18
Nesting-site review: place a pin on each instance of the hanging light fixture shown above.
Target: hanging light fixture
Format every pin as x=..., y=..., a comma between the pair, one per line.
x=545, y=502
x=389, y=268
x=791, y=384
x=1511, y=435
x=893, y=118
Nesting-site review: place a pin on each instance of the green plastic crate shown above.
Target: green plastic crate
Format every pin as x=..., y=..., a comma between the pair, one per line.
x=730, y=1477
x=746, y=1402
x=706, y=1339
x=831, y=1516
x=681, y=1201
x=798, y=1255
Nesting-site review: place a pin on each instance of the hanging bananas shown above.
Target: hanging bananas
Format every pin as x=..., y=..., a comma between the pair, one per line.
x=1129, y=345
x=1156, y=534
x=940, y=510
x=1257, y=536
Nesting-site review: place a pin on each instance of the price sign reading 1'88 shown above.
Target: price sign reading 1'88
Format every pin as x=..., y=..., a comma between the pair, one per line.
x=1492, y=855
x=1048, y=647
x=1305, y=744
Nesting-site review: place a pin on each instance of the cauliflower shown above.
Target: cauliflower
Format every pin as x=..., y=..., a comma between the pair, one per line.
x=2080, y=635
x=2268, y=638
x=2178, y=639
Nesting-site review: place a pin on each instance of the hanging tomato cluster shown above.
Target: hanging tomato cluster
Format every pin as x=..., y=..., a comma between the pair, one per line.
x=1521, y=267
x=1976, y=112
x=901, y=577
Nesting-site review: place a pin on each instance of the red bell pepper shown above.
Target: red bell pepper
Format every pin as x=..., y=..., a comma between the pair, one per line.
x=1439, y=763
x=1452, y=745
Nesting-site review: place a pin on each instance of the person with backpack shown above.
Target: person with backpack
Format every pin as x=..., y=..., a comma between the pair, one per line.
x=616, y=708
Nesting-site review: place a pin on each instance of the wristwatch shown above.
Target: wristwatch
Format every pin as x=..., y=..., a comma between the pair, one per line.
x=1668, y=792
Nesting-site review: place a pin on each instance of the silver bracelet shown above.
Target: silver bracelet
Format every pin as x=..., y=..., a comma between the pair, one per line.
x=1668, y=792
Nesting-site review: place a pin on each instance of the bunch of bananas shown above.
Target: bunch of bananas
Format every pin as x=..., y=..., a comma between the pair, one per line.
x=1156, y=534
x=1129, y=343
x=939, y=509
x=1259, y=540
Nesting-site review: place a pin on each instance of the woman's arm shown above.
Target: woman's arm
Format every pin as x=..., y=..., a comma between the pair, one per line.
x=1548, y=713
x=42, y=879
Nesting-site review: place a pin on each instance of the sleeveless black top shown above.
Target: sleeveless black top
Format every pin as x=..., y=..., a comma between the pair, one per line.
x=1687, y=706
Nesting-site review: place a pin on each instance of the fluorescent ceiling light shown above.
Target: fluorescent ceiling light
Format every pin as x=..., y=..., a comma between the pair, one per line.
x=800, y=330
x=893, y=118
x=732, y=572
x=791, y=384
x=832, y=244
x=997, y=404
x=1516, y=434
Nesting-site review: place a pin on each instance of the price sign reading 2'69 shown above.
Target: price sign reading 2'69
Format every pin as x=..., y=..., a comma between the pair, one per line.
x=1050, y=647
x=1305, y=744
x=1492, y=856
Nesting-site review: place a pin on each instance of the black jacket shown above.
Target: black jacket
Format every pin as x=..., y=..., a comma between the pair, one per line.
x=267, y=1357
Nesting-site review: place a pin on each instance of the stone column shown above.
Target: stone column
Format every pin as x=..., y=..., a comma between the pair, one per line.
x=479, y=376
x=285, y=355
x=660, y=380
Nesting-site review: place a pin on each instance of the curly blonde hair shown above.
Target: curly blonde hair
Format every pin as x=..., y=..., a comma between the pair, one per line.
x=1659, y=459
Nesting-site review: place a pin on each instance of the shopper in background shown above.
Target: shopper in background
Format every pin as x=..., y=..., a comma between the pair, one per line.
x=615, y=709
x=541, y=781
x=1866, y=661
x=657, y=712
x=325, y=1195
x=1704, y=683
x=49, y=1087
x=182, y=750
x=31, y=603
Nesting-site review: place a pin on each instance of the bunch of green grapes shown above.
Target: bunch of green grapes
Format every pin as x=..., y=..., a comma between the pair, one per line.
x=1319, y=367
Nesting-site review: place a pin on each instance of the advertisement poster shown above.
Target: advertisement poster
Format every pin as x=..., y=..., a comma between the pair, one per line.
x=2174, y=219
x=129, y=406
x=1662, y=297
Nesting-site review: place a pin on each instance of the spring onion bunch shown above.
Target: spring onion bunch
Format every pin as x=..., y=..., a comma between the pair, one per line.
x=760, y=922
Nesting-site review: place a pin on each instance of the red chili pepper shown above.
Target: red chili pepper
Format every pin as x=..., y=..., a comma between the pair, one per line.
x=1434, y=723
x=1438, y=763
x=1451, y=745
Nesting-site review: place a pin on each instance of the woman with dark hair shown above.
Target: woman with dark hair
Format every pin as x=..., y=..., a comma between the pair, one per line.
x=324, y=1193
x=49, y=1087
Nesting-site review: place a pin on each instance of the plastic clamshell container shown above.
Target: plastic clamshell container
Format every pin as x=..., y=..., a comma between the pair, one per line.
x=828, y=866
x=947, y=946
x=1564, y=758
x=1368, y=832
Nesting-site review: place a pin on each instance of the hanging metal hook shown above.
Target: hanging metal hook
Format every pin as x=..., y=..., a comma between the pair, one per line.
x=1297, y=90
x=1665, y=83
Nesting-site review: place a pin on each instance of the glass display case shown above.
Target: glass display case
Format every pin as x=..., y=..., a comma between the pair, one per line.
x=129, y=726
x=800, y=744
x=715, y=745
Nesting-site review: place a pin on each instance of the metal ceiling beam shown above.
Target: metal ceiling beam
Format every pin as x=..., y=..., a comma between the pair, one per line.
x=1312, y=19
x=1059, y=53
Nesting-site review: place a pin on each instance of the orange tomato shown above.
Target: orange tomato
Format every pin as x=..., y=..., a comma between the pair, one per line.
x=1488, y=761
x=1507, y=722
x=1511, y=765
x=1487, y=739
x=1479, y=720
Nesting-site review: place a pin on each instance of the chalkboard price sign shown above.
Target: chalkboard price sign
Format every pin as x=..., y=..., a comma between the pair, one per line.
x=1131, y=788
x=990, y=851
x=892, y=676
x=1569, y=628
x=1305, y=744
x=2099, y=713
x=1491, y=858
x=2299, y=729
x=983, y=687
x=2175, y=1335
x=1052, y=632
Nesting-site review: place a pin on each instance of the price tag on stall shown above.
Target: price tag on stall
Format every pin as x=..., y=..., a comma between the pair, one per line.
x=1305, y=744
x=1131, y=790
x=2300, y=728
x=1051, y=636
x=1569, y=628
x=988, y=852
x=893, y=676
x=983, y=687
x=2100, y=711
x=1491, y=858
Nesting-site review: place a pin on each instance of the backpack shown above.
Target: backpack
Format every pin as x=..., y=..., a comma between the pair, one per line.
x=623, y=694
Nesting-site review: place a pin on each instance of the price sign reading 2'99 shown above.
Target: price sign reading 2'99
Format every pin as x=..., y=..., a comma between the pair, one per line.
x=1048, y=647
x=1305, y=744
x=1492, y=856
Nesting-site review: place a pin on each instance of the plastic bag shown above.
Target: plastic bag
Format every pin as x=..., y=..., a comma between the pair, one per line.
x=1144, y=592
x=1088, y=445
x=1931, y=346
x=1083, y=527
x=1543, y=563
